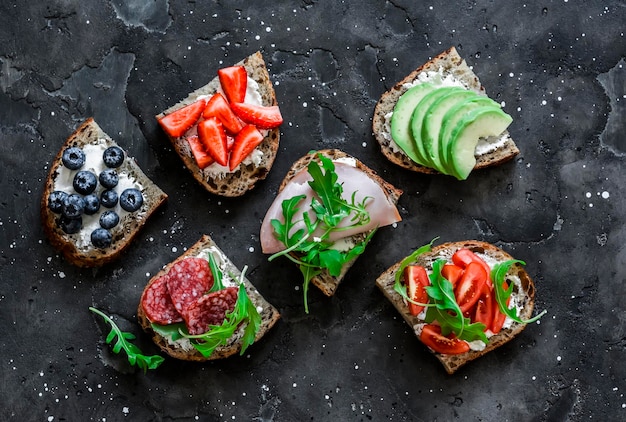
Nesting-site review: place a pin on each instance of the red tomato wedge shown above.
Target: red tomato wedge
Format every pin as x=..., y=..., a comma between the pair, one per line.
x=452, y=273
x=498, y=317
x=234, y=81
x=463, y=257
x=431, y=336
x=260, y=116
x=203, y=159
x=483, y=311
x=245, y=142
x=415, y=279
x=212, y=135
x=218, y=107
x=180, y=121
x=470, y=286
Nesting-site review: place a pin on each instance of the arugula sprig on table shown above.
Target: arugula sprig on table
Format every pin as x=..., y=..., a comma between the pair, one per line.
x=218, y=335
x=311, y=244
x=134, y=354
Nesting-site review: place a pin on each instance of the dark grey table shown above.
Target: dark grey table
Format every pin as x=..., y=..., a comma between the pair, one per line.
x=559, y=68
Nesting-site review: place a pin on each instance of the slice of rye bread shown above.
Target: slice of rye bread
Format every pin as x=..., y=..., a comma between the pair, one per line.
x=525, y=289
x=450, y=63
x=244, y=178
x=269, y=314
x=84, y=254
x=324, y=281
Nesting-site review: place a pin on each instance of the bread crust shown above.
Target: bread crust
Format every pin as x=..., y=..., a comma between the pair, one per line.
x=237, y=183
x=324, y=281
x=453, y=362
x=269, y=314
x=451, y=63
x=89, y=132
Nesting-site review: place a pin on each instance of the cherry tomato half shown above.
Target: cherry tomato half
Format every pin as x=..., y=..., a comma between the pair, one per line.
x=415, y=279
x=431, y=336
x=463, y=257
x=452, y=273
x=469, y=287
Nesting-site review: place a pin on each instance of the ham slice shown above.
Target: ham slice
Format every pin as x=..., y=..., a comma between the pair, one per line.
x=382, y=210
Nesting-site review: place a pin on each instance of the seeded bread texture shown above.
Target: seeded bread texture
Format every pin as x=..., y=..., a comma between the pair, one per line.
x=324, y=281
x=269, y=314
x=246, y=176
x=450, y=63
x=90, y=133
x=445, y=251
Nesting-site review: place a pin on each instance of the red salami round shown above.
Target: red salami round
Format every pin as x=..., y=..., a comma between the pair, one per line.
x=158, y=305
x=188, y=280
x=210, y=310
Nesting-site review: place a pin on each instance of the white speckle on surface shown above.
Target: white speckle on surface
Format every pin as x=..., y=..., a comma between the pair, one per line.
x=294, y=385
x=558, y=358
x=174, y=249
x=605, y=195
x=588, y=195
x=544, y=102
x=251, y=249
x=125, y=410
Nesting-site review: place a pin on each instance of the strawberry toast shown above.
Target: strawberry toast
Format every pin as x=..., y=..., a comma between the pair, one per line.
x=226, y=132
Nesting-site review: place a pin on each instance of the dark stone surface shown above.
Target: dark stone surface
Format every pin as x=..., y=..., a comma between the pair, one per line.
x=559, y=67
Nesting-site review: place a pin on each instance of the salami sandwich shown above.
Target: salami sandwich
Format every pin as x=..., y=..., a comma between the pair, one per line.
x=462, y=299
x=201, y=307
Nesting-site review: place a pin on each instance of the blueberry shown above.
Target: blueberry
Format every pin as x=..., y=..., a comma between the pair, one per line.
x=131, y=199
x=109, y=219
x=101, y=238
x=109, y=178
x=55, y=201
x=108, y=198
x=113, y=156
x=85, y=182
x=73, y=206
x=92, y=204
x=73, y=158
x=71, y=225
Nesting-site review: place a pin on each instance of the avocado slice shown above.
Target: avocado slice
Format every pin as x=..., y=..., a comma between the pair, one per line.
x=401, y=119
x=433, y=120
x=478, y=123
x=450, y=120
x=417, y=121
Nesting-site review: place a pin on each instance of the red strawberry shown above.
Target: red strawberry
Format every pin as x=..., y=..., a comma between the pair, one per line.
x=234, y=81
x=203, y=159
x=260, y=116
x=218, y=107
x=212, y=135
x=245, y=142
x=178, y=122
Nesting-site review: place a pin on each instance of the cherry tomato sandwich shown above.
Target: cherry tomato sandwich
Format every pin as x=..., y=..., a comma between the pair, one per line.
x=328, y=208
x=226, y=132
x=462, y=299
x=201, y=307
x=438, y=119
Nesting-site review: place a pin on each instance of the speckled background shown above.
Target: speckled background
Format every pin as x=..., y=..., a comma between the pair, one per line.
x=558, y=68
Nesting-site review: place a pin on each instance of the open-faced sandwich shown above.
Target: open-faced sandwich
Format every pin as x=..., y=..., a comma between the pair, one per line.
x=96, y=198
x=201, y=307
x=462, y=299
x=439, y=120
x=328, y=207
x=226, y=132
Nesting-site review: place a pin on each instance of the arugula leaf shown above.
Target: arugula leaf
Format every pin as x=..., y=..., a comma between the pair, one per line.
x=398, y=286
x=498, y=275
x=313, y=252
x=446, y=310
x=218, y=335
x=217, y=275
x=134, y=354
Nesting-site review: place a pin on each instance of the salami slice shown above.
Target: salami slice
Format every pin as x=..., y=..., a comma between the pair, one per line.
x=158, y=305
x=210, y=310
x=187, y=281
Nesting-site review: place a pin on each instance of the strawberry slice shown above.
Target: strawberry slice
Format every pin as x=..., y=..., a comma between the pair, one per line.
x=234, y=81
x=180, y=121
x=260, y=116
x=245, y=142
x=203, y=159
x=218, y=107
x=213, y=137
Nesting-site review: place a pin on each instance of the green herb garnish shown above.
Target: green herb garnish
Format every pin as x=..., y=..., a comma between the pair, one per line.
x=313, y=250
x=218, y=335
x=134, y=354
x=498, y=274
